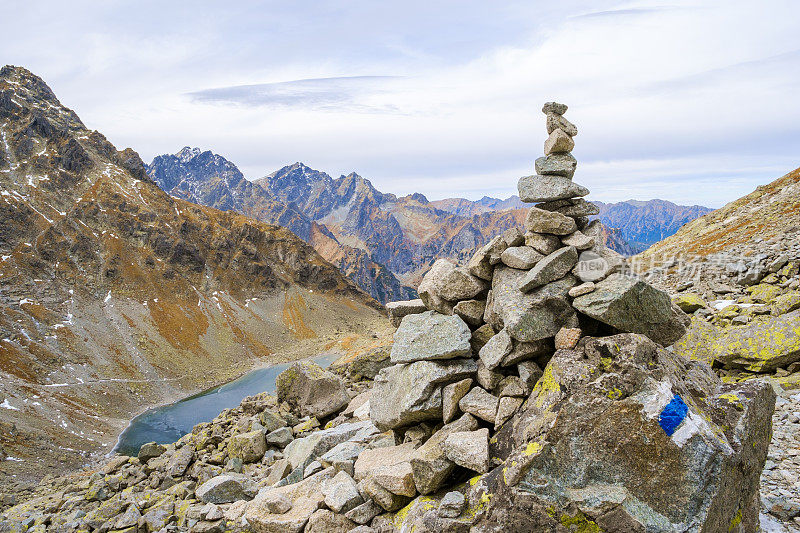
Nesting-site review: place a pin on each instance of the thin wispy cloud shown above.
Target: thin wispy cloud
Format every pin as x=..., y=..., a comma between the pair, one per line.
x=344, y=93
x=692, y=101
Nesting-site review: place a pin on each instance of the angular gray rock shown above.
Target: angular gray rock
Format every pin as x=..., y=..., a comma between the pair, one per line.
x=407, y=394
x=480, y=403
x=632, y=306
x=556, y=165
x=469, y=449
x=551, y=268
x=575, y=207
x=452, y=505
x=554, y=107
x=249, y=447
x=301, y=451
x=538, y=188
x=312, y=390
x=595, y=265
x=541, y=221
x=579, y=241
x=651, y=442
x=341, y=493
x=428, y=289
x=150, y=450
x=558, y=141
x=543, y=243
x=227, y=488
x=429, y=464
x=471, y=311
x=445, y=284
x=451, y=395
x=521, y=257
x=430, y=336
x=306, y=497
x=494, y=351
x=556, y=122
x=281, y=437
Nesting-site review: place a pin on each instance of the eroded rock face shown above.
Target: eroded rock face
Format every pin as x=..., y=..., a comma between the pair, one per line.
x=312, y=390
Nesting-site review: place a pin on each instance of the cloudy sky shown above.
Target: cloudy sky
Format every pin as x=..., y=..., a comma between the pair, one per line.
x=694, y=102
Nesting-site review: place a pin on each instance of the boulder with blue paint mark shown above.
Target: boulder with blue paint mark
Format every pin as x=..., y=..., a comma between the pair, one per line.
x=620, y=434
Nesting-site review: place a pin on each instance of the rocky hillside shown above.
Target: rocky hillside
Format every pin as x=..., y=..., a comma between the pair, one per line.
x=209, y=179
x=116, y=296
x=404, y=233
x=528, y=390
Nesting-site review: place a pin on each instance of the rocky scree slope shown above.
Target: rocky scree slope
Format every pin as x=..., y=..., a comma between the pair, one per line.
x=116, y=296
x=205, y=178
x=517, y=396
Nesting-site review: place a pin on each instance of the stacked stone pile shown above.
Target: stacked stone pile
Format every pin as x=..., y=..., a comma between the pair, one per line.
x=529, y=390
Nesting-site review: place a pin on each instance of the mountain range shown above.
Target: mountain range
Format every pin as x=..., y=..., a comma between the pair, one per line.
x=383, y=242
x=116, y=296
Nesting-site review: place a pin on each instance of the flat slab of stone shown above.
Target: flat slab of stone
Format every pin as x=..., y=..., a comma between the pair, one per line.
x=574, y=207
x=522, y=257
x=556, y=165
x=541, y=221
x=539, y=188
x=494, y=351
x=551, y=268
x=227, y=488
x=397, y=310
x=430, y=336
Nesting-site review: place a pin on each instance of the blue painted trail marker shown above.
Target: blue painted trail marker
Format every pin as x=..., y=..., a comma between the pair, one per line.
x=672, y=415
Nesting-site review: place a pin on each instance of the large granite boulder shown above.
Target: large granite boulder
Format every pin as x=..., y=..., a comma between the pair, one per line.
x=623, y=435
x=430, y=336
x=408, y=394
x=311, y=390
x=634, y=306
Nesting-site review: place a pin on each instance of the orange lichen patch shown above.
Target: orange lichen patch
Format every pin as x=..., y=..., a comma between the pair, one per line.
x=348, y=342
x=180, y=326
x=293, y=307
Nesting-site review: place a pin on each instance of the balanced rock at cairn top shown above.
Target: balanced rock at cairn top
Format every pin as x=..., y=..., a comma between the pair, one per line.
x=553, y=179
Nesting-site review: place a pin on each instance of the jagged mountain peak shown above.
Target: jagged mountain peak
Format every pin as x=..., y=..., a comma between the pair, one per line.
x=188, y=153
